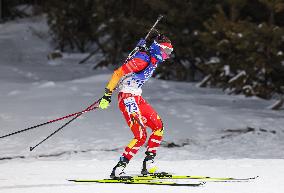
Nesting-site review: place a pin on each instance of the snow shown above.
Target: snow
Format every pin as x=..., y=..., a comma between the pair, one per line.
x=208, y=129
x=227, y=70
x=204, y=81
x=51, y=176
x=213, y=60
x=240, y=74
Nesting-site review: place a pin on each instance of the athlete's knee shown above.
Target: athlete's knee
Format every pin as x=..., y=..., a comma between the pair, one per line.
x=141, y=139
x=139, y=132
x=160, y=127
x=159, y=132
x=137, y=141
x=159, y=123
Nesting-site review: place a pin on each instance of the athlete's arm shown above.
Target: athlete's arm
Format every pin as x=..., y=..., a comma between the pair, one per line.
x=134, y=65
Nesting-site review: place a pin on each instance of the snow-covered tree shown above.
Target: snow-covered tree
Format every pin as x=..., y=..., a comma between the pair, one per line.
x=253, y=52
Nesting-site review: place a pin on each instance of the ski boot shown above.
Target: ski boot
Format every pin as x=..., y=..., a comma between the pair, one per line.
x=118, y=170
x=149, y=166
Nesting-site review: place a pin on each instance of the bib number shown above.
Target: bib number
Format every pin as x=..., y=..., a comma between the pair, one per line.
x=131, y=105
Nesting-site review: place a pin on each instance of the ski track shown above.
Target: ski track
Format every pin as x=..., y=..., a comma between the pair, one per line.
x=51, y=176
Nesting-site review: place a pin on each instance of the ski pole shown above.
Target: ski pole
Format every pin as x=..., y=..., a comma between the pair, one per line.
x=60, y=128
x=136, y=49
x=90, y=108
x=32, y=148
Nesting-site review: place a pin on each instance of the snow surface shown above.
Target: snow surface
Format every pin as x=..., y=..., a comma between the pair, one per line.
x=47, y=176
x=206, y=131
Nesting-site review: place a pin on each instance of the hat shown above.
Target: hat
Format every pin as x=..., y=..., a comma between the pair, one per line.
x=166, y=47
x=161, y=48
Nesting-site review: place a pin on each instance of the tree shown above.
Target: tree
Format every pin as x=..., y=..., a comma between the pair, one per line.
x=0, y=10
x=118, y=24
x=274, y=6
x=252, y=52
x=70, y=28
x=237, y=44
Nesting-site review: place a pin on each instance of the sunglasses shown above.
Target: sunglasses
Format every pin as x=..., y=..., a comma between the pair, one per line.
x=166, y=49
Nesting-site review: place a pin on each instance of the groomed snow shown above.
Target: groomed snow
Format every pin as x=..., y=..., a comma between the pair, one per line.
x=45, y=176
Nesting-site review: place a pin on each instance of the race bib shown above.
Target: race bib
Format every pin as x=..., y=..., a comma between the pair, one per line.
x=131, y=105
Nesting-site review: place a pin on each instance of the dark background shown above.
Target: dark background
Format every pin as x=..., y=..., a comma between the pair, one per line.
x=237, y=45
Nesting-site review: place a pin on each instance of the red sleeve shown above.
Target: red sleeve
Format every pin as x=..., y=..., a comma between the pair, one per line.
x=134, y=65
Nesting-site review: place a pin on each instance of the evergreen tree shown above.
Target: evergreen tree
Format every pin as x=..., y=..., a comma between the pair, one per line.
x=236, y=44
x=252, y=52
x=70, y=28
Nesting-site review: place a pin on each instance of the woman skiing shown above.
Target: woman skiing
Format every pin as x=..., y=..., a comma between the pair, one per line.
x=138, y=113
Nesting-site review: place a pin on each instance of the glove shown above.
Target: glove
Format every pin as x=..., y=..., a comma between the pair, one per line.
x=106, y=99
x=141, y=43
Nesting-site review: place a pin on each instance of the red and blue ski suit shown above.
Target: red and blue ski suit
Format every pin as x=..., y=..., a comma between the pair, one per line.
x=138, y=113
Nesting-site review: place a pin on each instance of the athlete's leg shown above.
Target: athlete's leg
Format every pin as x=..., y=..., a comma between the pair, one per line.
x=131, y=112
x=153, y=121
x=129, y=106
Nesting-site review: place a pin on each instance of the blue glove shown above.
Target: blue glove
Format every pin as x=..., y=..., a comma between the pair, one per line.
x=141, y=43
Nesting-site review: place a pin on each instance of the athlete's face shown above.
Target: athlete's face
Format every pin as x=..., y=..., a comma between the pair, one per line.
x=161, y=51
x=166, y=52
x=165, y=55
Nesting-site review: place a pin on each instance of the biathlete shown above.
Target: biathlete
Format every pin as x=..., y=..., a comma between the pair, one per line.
x=138, y=113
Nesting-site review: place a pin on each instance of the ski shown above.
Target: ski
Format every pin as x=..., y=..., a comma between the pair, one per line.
x=139, y=181
x=170, y=176
x=160, y=179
